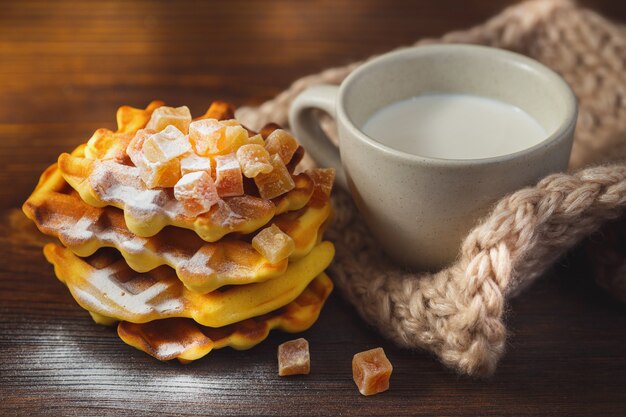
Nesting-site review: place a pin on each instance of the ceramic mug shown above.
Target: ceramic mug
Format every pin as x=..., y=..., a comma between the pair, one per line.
x=420, y=208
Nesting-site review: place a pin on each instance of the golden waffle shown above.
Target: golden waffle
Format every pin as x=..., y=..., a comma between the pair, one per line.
x=102, y=175
x=180, y=292
x=186, y=340
x=104, y=284
x=147, y=211
x=57, y=210
x=303, y=224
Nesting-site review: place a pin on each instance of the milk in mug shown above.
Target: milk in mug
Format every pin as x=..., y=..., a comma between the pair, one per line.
x=454, y=126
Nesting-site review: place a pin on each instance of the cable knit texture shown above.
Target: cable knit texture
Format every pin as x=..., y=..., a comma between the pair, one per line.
x=457, y=313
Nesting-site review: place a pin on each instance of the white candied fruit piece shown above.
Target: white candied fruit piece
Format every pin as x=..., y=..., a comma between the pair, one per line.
x=134, y=149
x=273, y=244
x=228, y=178
x=197, y=193
x=191, y=162
x=254, y=160
x=153, y=174
x=164, y=116
x=166, y=145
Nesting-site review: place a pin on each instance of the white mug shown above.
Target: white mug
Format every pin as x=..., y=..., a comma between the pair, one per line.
x=420, y=208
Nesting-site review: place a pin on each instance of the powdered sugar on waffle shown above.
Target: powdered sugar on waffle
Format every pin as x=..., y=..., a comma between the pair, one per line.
x=136, y=296
x=121, y=185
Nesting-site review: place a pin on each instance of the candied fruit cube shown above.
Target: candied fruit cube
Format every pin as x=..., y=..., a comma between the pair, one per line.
x=164, y=116
x=230, y=122
x=256, y=140
x=166, y=145
x=275, y=183
x=280, y=142
x=294, y=358
x=191, y=162
x=159, y=174
x=229, y=181
x=236, y=136
x=196, y=191
x=213, y=137
x=206, y=136
x=153, y=174
x=134, y=149
x=274, y=244
x=371, y=371
x=323, y=178
x=254, y=160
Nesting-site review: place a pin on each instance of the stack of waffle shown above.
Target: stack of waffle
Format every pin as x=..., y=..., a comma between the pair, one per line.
x=190, y=235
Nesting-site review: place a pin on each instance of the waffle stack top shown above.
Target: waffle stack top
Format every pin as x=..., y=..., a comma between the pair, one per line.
x=191, y=235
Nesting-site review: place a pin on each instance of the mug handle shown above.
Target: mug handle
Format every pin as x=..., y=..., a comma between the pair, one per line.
x=307, y=129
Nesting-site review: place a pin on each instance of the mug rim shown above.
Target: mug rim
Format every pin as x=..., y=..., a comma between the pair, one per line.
x=559, y=134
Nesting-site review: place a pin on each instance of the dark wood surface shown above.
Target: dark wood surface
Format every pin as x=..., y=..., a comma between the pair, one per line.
x=64, y=69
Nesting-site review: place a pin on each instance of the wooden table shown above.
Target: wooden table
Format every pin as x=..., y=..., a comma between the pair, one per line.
x=64, y=69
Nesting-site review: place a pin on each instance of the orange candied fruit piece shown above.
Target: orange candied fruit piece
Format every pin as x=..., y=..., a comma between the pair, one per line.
x=164, y=116
x=196, y=191
x=229, y=181
x=160, y=174
x=275, y=183
x=256, y=140
x=281, y=143
x=294, y=358
x=273, y=244
x=254, y=160
x=323, y=178
x=371, y=371
x=235, y=134
x=214, y=137
x=156, y=155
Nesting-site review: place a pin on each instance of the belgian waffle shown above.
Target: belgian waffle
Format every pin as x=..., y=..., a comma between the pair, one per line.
x=57, y=210
x=183, y=262
x=186, y=340
x=101, y=173
x=104, y=284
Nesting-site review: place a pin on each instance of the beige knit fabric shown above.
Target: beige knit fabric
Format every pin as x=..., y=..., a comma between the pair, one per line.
x=457, y=312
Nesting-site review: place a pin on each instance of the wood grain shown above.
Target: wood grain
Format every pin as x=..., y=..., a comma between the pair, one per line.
x=64, y=69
